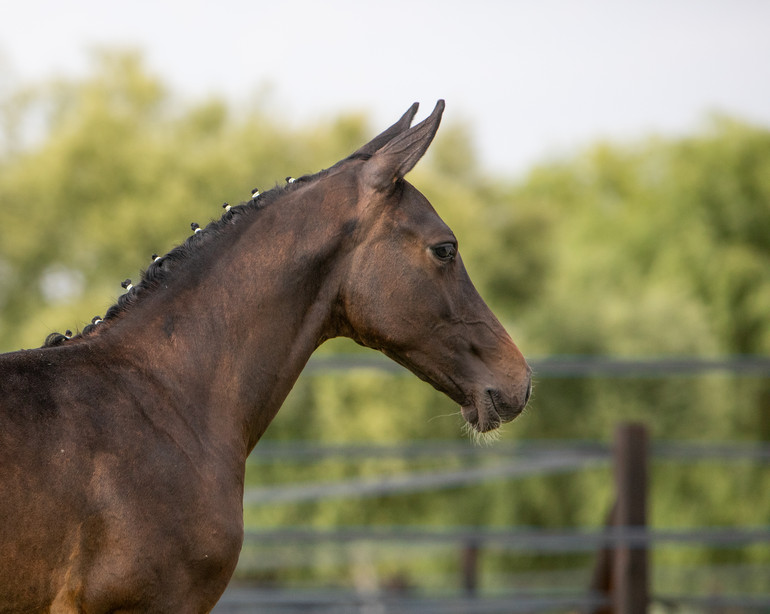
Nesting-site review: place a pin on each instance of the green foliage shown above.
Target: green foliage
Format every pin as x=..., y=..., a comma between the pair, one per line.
x=119, y=174
x=661, y=247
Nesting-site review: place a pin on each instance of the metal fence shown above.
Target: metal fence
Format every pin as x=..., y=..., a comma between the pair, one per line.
x=573, y=366
x=510, y=462
x=515, y=461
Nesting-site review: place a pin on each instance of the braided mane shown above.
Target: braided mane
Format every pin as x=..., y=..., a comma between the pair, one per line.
x=161, y=268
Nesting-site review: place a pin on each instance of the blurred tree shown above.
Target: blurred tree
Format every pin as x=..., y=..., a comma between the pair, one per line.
x=661, y=247
x=118, y=172
x=657, y=247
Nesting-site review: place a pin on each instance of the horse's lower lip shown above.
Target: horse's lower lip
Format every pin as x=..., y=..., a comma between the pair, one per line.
x=489, y=421
x=489, y=411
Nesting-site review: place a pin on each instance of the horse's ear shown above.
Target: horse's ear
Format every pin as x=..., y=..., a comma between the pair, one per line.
x=395, y=159
x=382, y=139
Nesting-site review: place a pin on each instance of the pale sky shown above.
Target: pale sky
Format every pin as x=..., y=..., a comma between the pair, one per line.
x=532, y=78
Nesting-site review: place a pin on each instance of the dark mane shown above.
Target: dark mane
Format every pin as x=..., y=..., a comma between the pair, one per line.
x=162, y=267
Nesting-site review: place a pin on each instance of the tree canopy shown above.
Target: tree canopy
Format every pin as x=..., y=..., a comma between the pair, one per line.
x=649, y=248
x=654, y=247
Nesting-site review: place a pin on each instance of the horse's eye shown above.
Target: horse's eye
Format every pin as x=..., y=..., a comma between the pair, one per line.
x=445, y=251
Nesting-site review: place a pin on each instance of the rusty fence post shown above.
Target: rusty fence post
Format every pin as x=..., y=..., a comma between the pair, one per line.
x=630, y=586
x=621, y=571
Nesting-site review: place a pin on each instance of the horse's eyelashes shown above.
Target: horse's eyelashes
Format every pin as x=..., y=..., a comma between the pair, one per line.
x=444, y=251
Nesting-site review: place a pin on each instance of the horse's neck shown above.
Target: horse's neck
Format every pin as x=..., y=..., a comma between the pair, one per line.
x=233, y=338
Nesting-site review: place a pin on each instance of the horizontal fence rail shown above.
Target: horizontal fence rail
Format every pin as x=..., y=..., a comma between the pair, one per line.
x=377, y=486
x=237, y=601
x=521, y=460
x=541, y=541
x=244, y=600
x=287, y=451
x=571, y=366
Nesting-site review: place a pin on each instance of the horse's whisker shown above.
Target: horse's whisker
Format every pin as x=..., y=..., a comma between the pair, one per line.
x=454, y=413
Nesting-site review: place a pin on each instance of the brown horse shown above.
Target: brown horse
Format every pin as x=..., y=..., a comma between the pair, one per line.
x=123, y=448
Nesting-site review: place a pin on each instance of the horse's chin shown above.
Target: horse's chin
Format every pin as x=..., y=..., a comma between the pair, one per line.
x=481, y=420
x=490, y=412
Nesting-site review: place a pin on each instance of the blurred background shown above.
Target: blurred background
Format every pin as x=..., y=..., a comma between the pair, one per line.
x=606, y=168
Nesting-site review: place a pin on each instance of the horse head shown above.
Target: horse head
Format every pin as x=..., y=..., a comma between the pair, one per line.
x=407, y=293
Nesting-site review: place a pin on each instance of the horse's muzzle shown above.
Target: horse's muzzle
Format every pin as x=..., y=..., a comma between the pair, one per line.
x=492, y=408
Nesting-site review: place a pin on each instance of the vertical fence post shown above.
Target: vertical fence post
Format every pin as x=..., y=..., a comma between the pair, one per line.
x=470, y=568
x=601, y=579
x=630, y=561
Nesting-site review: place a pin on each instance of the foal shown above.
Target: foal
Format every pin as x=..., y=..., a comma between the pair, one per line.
x=123, y=448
